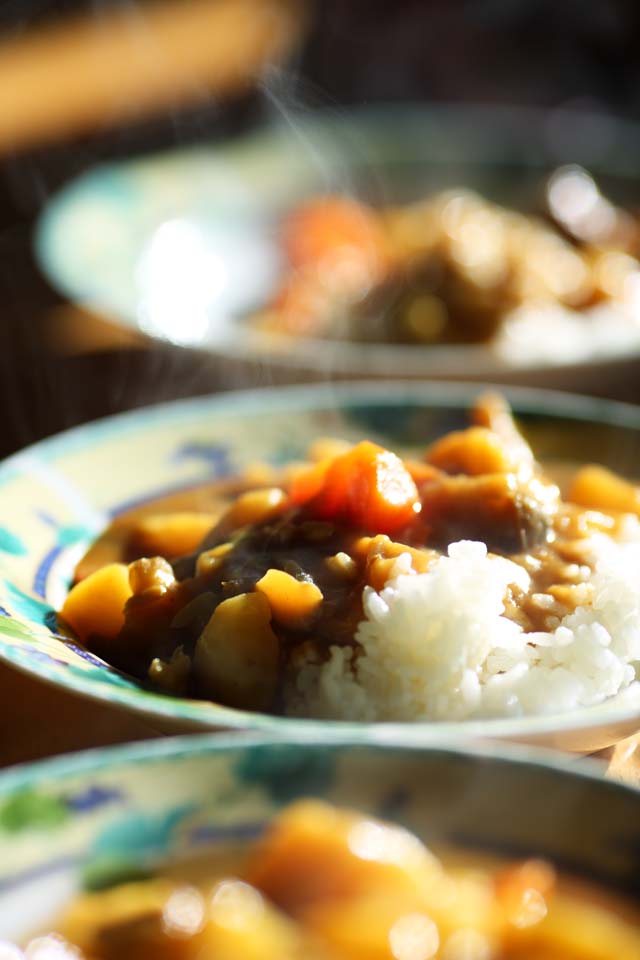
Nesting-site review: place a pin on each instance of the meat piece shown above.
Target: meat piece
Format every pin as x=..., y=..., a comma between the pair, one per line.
x=508, y=515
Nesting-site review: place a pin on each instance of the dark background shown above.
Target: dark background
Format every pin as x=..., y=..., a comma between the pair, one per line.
x=540, y=52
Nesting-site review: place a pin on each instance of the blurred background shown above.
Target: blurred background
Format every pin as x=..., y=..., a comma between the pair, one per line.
x=88, y=82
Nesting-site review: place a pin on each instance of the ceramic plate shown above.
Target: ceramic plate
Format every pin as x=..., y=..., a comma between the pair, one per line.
x=183, y=245
x=56, y=496
x=84, y=821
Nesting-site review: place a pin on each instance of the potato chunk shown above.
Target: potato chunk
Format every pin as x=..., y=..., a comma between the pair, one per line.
x=242, y=925
x=153, y=921
x=573, y=928
x=236, y=657
x=171, y=534
x=601, y=489
x=251, y=507
x=314, y=852
x=475, y=451
x=381, y=927
x=96, y=604
x=292, y=602
x=91, y=916
x=254, y=506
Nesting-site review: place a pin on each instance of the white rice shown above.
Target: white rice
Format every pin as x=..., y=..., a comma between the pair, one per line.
x=438, y=645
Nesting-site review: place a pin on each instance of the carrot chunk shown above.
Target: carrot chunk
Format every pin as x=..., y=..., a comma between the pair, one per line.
x=367, y=487
x=308, y=482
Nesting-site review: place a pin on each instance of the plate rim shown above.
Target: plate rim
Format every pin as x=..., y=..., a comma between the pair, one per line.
x=130, y=755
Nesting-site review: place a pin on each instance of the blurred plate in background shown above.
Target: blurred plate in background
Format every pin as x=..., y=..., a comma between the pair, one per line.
x=182, y=246
x=102, y=816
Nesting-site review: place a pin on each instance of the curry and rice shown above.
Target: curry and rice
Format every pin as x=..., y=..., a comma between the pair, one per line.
x=455, y=268
x=325, y=883
x=363, y=586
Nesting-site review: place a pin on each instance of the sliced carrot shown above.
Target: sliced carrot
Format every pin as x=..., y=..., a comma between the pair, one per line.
x=367, y=487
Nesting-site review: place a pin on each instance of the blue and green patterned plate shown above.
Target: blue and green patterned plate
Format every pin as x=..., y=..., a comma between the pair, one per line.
x=58, y=495
x=182, y=245
x=89, y=820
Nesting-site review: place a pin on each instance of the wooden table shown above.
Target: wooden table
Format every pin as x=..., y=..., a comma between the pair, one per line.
x=37, y=720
